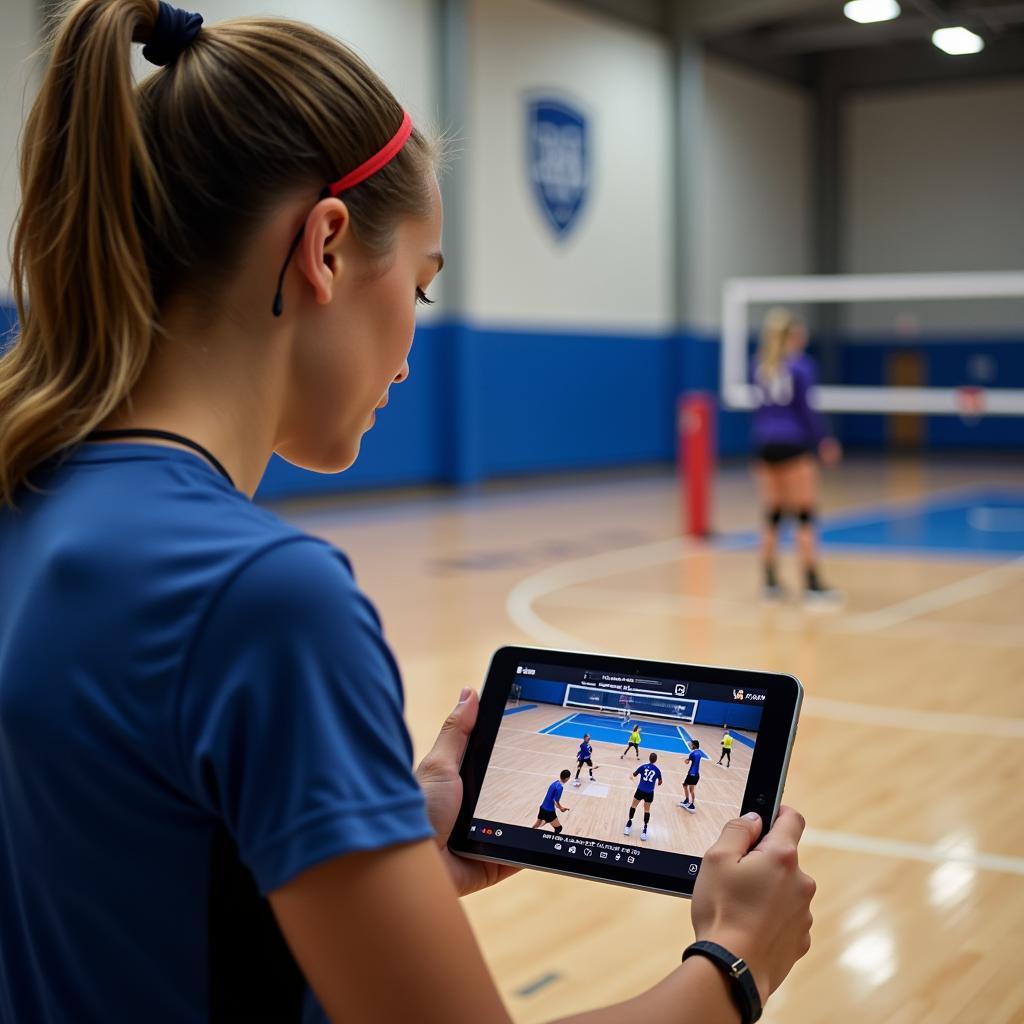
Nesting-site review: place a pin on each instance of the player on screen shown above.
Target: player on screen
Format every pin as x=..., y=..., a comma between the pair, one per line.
x=649, y=777
x=547, y=815
x=692, y=776
x=726, y=748
x=584, y=757
x=788, y=433
x=634, y=742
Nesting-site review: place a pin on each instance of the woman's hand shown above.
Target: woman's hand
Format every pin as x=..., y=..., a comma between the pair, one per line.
x=438, y=775
x=755, y=900
x=830, y=451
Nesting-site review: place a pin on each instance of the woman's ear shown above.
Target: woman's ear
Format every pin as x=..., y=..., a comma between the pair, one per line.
x=319, y=254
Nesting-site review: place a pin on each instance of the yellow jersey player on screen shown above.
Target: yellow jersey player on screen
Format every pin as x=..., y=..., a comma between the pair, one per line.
x=726, y=748
x=634, y=742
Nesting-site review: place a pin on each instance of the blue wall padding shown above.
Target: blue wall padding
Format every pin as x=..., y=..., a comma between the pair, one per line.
x=736, y=716
x=487, y=403
x=565, y=401
x=947, y=363
x=483, y=403
x=8, y=324
x=543, y=690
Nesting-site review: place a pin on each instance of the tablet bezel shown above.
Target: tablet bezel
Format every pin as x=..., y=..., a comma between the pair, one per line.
x=765, y=782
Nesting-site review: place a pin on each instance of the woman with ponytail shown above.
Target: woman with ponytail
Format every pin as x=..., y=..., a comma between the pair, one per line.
x=208, y=810
x=788, y=434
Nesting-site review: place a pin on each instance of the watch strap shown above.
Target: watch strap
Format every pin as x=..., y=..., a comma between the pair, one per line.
x=741, y=982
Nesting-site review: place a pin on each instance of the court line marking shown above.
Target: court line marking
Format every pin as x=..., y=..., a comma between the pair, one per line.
x=978, y=585
x=519, y=608
x=555, y=725
x=955, y=722
x=535, y=986
x=790, y=617
x=988, y=519
x=847, y=842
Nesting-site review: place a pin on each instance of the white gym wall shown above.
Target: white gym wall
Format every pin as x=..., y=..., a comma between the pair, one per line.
x=614, y=270
x=933, y=182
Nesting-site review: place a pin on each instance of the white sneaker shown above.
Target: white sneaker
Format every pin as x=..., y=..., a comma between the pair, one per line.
x=823, y=598
x=577, y=783
x=643, y=835
x=627, y=830
x=690, y=808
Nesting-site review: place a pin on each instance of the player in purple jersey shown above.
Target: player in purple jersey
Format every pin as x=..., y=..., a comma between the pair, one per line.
x=788, y=433
x=649, y=777
x=547, y=813
x=584, y=756
x=692, y=776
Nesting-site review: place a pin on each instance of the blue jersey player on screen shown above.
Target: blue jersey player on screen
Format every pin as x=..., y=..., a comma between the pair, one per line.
x=649, y=776
x=548, y=812
x=584, y=756
x=692, y=776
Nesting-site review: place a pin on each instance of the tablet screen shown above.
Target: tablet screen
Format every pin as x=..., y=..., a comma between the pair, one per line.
x=593, y=765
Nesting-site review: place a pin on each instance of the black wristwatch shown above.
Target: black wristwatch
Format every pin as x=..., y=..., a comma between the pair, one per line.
x=741, y=983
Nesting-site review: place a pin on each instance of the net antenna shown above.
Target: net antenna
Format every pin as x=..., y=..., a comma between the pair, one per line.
x=739, y=293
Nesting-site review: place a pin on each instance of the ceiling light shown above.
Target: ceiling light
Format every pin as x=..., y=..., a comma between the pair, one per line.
x=957, y=40
x=867, y=11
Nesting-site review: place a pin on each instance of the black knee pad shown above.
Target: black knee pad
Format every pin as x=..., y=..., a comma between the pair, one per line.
x=558, y=828
x=805, y=516
x=774, y=516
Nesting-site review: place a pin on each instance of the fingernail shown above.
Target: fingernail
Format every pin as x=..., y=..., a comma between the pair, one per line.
x=464, y=696
x=752, y=816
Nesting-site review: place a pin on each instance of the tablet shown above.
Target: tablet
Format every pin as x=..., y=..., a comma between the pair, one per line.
x=618, y=769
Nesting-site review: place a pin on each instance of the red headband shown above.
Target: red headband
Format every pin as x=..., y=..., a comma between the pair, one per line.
x=377, y=161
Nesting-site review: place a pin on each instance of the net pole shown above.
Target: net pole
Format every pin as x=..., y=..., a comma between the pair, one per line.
x=696, y=460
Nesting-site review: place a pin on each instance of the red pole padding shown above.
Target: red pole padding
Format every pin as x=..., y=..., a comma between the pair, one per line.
x=696, y=459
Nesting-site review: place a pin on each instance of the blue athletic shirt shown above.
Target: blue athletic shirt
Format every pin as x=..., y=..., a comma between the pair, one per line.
x=196, y=705
x=694, y=761
x=554, y=793
x=584, y=754
x=649, y=777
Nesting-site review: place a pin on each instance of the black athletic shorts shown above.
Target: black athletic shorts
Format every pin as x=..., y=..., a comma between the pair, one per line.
x=641, y=795
x=546, y=815
x=635, y=745
x=774, y=454
x=587, y=762
x=691, y=780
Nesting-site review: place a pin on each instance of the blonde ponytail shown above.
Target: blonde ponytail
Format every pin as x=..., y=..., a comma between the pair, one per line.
x=133, y=196
x=80, y=283
x=771, y=352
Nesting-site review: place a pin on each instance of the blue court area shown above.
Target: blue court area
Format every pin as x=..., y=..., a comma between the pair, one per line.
x=660, y=736
x=984, y=522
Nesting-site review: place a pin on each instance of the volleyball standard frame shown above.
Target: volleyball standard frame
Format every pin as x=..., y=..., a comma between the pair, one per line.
x=646, y=697
x=738, y=293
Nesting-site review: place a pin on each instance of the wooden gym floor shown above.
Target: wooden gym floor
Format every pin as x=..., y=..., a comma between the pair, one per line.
x=908, y=764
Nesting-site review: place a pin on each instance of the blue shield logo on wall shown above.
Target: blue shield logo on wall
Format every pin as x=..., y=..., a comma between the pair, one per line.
x=558, y=145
